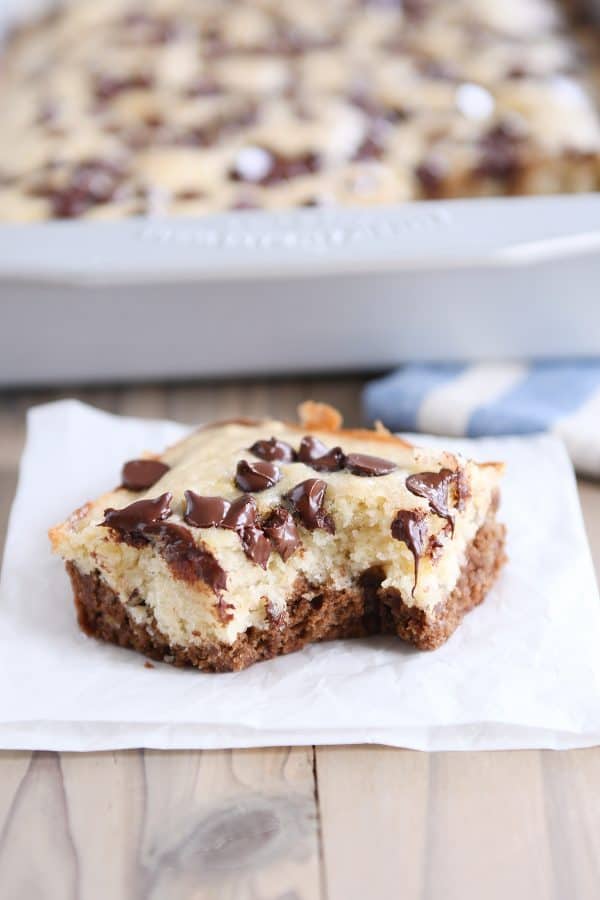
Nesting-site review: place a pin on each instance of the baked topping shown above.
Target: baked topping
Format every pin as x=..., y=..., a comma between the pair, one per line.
x=410, y=526
x=314, y=453
x=434, y=487
x=219, y=106
x=362, y=464
x=273, y=450
x=281, y=530
x=256, y=476
x=139, y=514
x=205, y=512
x=307, y=500
x=142, y=474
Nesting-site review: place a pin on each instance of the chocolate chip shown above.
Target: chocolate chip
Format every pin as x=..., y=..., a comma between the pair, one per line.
x=205, y=512
x=256, y=546
x=273, y=449
x=307, y=500
x=430, y=175
x=281, y=168
x=211, y=132
x=90, y=183
x=239, y=516
x=410, y=526
x=186, y=560
x=147, y=29
x=281, y=530
x=242, y=512
x=434, y=487
x=48, y=112
x=142, y=474
x=203, y=87
x=189, y=195
x=369, y=466
x=106, y=86
x=500, y=152
x=438, y=69
x=317, y=455
x=256, y=476
x=368, y=150
x=139, y=514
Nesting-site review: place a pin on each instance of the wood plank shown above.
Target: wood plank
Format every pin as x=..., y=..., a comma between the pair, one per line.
x=104, y=806
x=231, y=825
x=433, y=826
x=572, y=798
x=237, y=825
x=374, y=805
x=13, y=769
x=37, y=856
x=487, y=826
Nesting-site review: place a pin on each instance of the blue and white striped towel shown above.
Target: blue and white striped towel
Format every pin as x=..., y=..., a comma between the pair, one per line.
x=493, y=399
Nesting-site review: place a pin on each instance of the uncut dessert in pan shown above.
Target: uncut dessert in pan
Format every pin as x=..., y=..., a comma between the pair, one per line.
x=250, y=539
x=123, y=108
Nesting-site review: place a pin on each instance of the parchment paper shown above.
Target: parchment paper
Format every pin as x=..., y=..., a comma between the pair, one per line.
x=523, y=670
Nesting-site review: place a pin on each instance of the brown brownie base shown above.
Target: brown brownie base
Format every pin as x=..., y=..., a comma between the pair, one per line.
x=313, y=614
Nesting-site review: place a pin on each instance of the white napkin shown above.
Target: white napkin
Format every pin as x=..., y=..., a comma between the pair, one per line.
x=523, y=670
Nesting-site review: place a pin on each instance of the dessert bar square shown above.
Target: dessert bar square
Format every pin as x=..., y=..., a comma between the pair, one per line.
x=250, y=539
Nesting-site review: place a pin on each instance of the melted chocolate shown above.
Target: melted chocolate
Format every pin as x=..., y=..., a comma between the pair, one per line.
x=239, y=516
x=242, y=512
x=186, y=560
x=138, y=515
x=281, y=530
x=500, y=153
x=256, y=546
x=369, y=466
x=435, y=488
x=143, y=522
x=142, y=474
x=430, y=175
x=273, y=450
x=107, y=87
x=317, y=455
x=256, y=476
x=147, y=29
x=205, y=512
x=203, y=87
x=91, y=183
x=410, y=526
x=283, y=168
x=307, y=500
x=368, y=150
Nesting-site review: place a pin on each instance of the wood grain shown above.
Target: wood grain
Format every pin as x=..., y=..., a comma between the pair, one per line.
x=369, y=823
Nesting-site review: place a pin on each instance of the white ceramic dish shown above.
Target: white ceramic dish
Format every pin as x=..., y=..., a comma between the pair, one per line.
x=256, y=292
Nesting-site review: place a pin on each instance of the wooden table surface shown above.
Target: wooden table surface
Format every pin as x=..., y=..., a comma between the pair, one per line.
x=370, y=823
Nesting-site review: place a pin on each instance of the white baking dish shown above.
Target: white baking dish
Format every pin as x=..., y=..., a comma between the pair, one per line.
x=257, y=292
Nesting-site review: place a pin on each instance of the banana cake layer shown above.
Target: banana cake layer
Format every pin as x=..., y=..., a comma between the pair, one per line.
x=249, y=539
x=127, y=108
